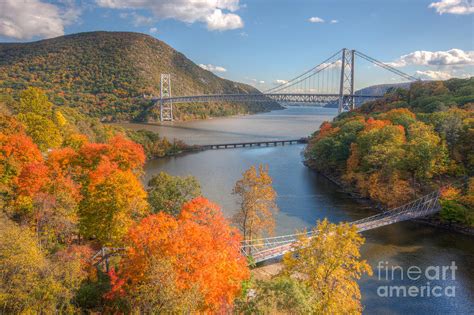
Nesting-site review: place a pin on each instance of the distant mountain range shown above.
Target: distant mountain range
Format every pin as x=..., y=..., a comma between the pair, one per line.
x=107, y=75
x=379, y=89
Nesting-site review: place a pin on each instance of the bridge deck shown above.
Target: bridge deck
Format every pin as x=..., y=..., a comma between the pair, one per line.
x=277, y=97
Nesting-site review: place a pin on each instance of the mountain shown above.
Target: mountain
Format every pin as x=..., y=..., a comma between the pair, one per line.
x=107, y=75
x=379, y=89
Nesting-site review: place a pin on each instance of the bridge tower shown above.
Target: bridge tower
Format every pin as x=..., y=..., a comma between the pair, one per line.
x=166, y=108
x=346, y=89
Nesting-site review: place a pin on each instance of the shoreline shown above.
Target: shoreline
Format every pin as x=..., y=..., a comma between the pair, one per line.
x=432, y=220
x=166, y=123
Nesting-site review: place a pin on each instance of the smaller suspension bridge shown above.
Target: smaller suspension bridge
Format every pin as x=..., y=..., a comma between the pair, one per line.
x=332, y=80
x=266, y=249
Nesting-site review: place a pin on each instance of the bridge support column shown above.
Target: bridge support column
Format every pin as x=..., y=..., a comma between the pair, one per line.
x=346, y=89
x=166, y=107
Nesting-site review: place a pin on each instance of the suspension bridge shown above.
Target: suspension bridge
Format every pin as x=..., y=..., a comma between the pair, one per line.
x=330, y=81
x=266, y=249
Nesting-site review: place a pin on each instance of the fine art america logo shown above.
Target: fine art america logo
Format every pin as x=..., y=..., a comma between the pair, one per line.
x=431, y=281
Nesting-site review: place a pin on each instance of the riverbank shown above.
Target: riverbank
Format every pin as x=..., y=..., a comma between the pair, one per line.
x=433, y=220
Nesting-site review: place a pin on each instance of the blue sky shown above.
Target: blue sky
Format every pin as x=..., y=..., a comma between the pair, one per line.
x=264, y=40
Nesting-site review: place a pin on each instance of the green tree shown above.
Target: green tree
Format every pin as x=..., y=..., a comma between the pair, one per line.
x=453, y=212
x=168, y=193
x=426, y=154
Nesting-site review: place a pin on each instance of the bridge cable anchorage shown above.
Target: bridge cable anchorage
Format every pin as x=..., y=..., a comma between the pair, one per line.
x=263, y=249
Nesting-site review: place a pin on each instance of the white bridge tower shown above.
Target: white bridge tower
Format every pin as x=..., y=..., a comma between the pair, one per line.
x=166, y=107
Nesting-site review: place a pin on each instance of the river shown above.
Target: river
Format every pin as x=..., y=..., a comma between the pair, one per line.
x=304, y=197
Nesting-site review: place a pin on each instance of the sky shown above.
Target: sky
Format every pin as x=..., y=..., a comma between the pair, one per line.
x=262, y=42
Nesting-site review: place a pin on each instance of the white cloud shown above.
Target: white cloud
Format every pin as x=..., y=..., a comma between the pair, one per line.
x=261, y=82
x=215, y=13
x=315, y=19
x=212, y=68
x=279, y=81
x=29, y=18
x=453, y=6
x=223, y=21
x=153, y=30
x=334, y=21
x=452, y=57
x=434, y=75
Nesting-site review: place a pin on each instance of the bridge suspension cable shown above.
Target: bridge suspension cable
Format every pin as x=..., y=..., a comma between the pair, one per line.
x=315, y=68
x=330, y=81
x=386, y=66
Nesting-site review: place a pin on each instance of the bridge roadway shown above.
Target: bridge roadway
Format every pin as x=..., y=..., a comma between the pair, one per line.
x=277, y=97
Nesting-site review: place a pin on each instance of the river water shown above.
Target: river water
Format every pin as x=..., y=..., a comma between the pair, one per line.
x=304, y=197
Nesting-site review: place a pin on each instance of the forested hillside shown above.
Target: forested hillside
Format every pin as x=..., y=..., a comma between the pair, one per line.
x=106, y=75
x=404, y=145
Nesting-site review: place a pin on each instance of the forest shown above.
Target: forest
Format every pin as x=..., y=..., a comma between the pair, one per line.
x=410, y=142
x=113, y=75
x=71, y=187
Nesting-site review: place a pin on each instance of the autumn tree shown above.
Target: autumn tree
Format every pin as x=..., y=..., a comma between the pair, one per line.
x=328, y=265
x=168, y=193
x=113, y=200
x=16, y=152
x=457, y=205
x=127, y=154
x=281, y=294
x=32, y=283
x=426, y=153
x=257, y=203
x=188, y=263
x=41, y=122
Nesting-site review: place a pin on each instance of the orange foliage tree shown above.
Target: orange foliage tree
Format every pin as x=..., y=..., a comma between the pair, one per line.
x=195, y=258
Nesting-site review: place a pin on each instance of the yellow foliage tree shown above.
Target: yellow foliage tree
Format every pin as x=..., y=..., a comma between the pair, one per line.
x=113, y=200
x=328, y=265
x=257, y=203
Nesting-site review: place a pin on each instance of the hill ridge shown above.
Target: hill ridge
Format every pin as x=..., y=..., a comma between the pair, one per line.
x=105, y=74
